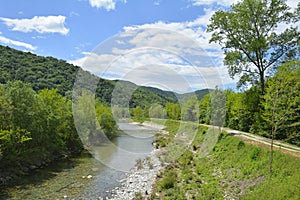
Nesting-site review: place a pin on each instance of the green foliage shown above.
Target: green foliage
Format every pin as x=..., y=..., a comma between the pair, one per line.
x=85, y=117
x=234, y=169
x=282, y=103
x=241, y=145
x=205, y=110
x=234, y=107
x=106, y=120
x=173, y=111
x=248, y=34
x=6, y=109
x=157, y=111
x=243, y=110
x=218, y=107
x=94, y=120
x=40, y=126
x=50, y=73
x=139, y=114
x=190, y=109
x=41, y=72
x=138, y=196
x=168, y=181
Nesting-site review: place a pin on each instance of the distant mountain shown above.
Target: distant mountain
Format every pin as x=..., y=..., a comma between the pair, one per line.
x=198, y=93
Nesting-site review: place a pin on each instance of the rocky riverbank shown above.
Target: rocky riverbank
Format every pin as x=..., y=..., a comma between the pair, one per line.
x=140, y=179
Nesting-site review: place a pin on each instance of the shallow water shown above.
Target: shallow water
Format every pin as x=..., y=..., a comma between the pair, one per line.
x=107, y=164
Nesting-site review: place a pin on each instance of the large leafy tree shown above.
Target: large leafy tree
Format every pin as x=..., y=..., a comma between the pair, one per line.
x=252, y=39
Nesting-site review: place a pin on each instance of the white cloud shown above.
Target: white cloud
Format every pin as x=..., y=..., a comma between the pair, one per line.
x=210, y=2
x=41, y=24
x=8, y=41
x=106, y=4
x=154, y=67
x=174, y=55
x=156, y=3
x=195, y=30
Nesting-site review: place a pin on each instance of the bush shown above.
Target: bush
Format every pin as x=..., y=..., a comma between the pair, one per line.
x=240, y=145
x=168, y=181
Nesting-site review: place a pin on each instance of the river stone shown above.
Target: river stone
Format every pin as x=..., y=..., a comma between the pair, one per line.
x=89, y=176
x=95, y=169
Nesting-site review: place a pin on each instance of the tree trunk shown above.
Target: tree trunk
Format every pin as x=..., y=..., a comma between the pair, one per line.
x=262, y=82
x=271, y=153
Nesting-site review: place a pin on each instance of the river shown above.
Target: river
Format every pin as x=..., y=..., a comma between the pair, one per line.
x=105, y=166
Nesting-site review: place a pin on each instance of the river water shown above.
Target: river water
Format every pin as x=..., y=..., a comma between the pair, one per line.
x=107, y=164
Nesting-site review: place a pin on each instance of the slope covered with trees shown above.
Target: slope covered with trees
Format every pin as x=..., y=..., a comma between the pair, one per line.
x=48, y=72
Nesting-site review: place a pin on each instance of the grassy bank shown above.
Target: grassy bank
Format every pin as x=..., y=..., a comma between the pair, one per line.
x=232, y=170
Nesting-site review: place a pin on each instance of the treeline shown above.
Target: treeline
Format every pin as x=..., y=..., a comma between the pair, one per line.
x=38, y=127
x=275, y=114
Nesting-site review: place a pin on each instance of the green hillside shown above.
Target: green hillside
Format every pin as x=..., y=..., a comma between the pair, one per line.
x=48, y=72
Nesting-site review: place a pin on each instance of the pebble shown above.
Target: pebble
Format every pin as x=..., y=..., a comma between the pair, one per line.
x=89, y=176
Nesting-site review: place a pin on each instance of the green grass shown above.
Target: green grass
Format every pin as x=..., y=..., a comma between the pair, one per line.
x=233, y=168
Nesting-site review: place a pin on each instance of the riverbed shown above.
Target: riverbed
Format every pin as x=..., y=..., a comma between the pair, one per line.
x=92, y=175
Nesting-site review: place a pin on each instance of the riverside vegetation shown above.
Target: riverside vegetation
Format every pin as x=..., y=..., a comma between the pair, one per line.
x=38, y=127
x=234, y=169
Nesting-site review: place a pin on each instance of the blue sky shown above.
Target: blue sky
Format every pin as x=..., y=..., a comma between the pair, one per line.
x=89, y=33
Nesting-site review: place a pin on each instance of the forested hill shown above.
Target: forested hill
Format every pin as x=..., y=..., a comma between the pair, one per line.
x=48, y=72
x=41, y=72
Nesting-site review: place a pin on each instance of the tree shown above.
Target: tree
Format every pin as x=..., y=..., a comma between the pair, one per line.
x=218, y=107
x=138, y=114
x=106, y=120
x=233, y=109
x=190, y=109
x=6, y=109
x=173, y=110
x=251, y=39
x=205, y=109
x=282, y=101
x=157, y=111
x=85, y=116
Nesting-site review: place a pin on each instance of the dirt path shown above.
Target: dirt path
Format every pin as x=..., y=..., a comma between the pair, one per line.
x=279, y=145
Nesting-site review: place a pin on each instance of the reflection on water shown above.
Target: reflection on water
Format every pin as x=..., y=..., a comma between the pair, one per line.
x=107, y=165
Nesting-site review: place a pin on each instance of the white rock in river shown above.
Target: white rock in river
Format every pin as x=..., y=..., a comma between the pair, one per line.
x=89, y=176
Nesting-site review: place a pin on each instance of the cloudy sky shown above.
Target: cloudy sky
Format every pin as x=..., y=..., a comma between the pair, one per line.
x=161, y=43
